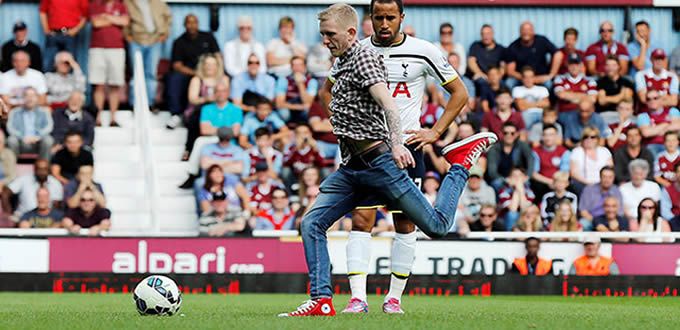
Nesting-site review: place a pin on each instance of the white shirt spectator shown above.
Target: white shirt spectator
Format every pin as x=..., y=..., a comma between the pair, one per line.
x=236, y=54
x=458, y=49
x=632, y=196
x=533, y=94
x=590, y=168
x=26, y=187
x=281, y=49
x=319, y=61
x=13, y=85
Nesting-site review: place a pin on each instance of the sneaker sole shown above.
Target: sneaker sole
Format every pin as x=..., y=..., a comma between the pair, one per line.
x=469, y=139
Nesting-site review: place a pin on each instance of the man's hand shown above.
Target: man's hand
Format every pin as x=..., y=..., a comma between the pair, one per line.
x=402, y=156
x=163, y=37
x=422, y=137
x=31, y=139
x=4, y=109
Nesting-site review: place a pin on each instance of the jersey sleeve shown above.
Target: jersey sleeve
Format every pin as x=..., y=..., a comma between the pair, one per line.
x=438, y=66
x=674, y=85
x=640, y=81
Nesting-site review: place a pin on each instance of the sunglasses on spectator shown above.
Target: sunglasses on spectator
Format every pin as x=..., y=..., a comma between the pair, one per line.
x=590, y=137
x=245, y=27
x=486, y=215
x=606, y=30
x=446, y=32
x=654, y=98
x=253, y=62
x=509, y=132
x=648, y=207
x=87, y=199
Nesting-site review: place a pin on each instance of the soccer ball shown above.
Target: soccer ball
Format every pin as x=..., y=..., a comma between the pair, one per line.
x=157, y=295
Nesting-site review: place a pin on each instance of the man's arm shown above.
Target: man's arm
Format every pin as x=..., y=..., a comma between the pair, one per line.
x=381, y=95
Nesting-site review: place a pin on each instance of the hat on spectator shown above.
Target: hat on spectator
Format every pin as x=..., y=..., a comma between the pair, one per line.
x=225, y=133
x=261, y=166
x=244, y=21
x=574, y=58
x=219, y=196
x=592, y=239
x=476, y=171
x=432, y=175
x=658, y=54
x=19, y=26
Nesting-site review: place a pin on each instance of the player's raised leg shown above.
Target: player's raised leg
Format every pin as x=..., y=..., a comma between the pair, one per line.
x=358, y=257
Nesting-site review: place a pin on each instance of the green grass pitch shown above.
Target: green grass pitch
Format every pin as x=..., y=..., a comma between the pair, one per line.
x=117, y=311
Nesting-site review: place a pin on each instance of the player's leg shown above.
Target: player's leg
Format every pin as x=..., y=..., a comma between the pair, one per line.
x=403, y=254
x=358, y=257
x=337, y=197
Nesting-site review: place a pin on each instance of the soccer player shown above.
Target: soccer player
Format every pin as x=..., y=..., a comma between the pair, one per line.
x=366, y=120
x=409, y=62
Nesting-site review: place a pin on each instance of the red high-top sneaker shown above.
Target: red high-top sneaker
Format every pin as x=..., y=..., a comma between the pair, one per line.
x=313, y=307
x=467, y=151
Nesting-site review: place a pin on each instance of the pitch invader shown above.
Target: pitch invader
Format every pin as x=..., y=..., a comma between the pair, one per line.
x=410, y=62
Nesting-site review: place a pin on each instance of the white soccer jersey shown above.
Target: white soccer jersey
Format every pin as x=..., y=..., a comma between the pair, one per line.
x=409, y=64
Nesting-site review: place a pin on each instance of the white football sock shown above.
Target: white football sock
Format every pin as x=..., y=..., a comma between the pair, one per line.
x=358, y=257
x=403, y=255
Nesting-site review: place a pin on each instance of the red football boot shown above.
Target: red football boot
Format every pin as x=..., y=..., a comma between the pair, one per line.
x=313, y=307
x=467, y=151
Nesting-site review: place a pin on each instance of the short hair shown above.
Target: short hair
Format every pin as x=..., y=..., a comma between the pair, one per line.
x=296, y=57
x=612, y=58
x=399, y=3
x=72, y=133
x=509, y=124
x=638, y=164
x=19, y=52
x=527, y=68
x=559, y=175
x=286, y=20
x=262, y=131
x=571, y=31
x=670, y=133
x=486, y=25
x=488, y=206
x=262, y=100
x=280, y=189
x=341, y=13
x=642, y=22
x=608, y=168
x=549, y=126
x=590, y=130
x=503, y=90
x=634, y=128
x=532, y=238
x=445, y=25
x=550, y=110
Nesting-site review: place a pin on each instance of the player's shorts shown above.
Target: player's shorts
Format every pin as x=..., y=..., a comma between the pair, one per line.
x=416, y=173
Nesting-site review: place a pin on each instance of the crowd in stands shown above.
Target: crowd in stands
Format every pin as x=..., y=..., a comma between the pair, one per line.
x=588, y=139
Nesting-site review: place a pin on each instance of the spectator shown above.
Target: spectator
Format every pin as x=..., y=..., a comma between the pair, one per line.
x=88, y=215
x=309, y=178
x=223, y=197
x=260, y=190
x=67, y=161
x=619, y=129
x=486, y=54
x=8, y=166
x=456, y=62
x=26, y=187
x=529, y=220
x=319, y=62
x=611, y=221
x=448, y=45
x=576, y=122
x=15, y=82
x=431, y=184
x=659, y=79
x=641, y=48
x=488, y=220
x=573, y=87
x=638, y=188
x=263, y=118
x=494, y=121
x=613, y=88
x=147, y=32
x=588, y=159
x=301, y=155
x=511, y=153
x=664, y=165
x=532, y=264
x=559, y=194
x=279, y=217
x=44, y=215
x=282, y=49
x=409, y=30
x=21, y=42
x=632, y=150
x=83, y=181
x=530, y=98
x=61, y=21
x=536, y=130
x=72, y=119
x=476, y=194
x=296, y=92
x=251, y=85
x=322, y=131
x=657, y=121
x=549, y=158
x=263, y=151
x=223, y=219
x=670, y=199
x=532, y=50
x=490, y=89
x=238, y=50
x=29, y=127
x=430, y=111
x=598, y=52
x=560, y=60
x=514, y=196
x=591, y=200
x=186, y=51
x=366, y=27
x=592, y=263
x=650, y=221
x=565, y=219
x=67, y=79
x=106, y=57
x=209, y=93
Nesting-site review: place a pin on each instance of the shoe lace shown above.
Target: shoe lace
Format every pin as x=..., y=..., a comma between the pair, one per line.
x=476, y=152
x=305, y=307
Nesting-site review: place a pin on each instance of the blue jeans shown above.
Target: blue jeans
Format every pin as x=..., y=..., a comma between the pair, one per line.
x=178, y=89
x=532, y=117
x=656, y=149
x=151, y=55
x=343, y=190
x=54, y=44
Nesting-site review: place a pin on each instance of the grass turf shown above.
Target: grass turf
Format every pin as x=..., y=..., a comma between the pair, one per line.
x=97, y=311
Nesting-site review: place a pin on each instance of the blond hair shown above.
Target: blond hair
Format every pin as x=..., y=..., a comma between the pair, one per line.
x=558, y=225
x=559, y=175
x=342, y=14
x=200, y=68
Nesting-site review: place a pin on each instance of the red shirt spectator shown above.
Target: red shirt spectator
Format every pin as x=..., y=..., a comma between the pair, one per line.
x=549, y=160
x=109, y=36
x=63, y=13
x=597, y=53
x=493, y=121
x=317, y=119
x=563, y=64
x=573, y=87
x=621, y=141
